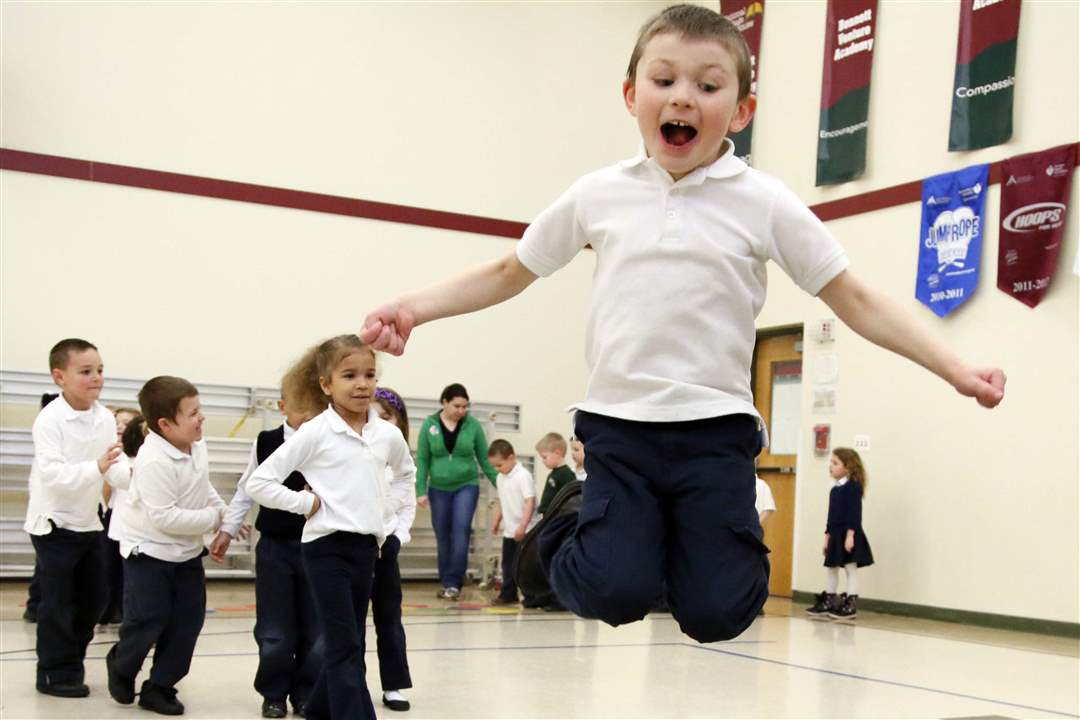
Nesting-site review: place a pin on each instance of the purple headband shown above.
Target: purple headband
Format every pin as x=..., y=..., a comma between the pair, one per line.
x=391, y=398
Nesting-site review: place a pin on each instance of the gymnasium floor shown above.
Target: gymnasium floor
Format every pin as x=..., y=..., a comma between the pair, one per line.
x=470, y=661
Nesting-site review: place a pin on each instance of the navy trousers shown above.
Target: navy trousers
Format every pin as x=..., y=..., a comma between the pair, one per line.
x=665, y=502
x=340, y=567
x=164, y=608
x=286, y=624
x=386, y=615
x=114, y=573
x=70, y=566
x=509, y=591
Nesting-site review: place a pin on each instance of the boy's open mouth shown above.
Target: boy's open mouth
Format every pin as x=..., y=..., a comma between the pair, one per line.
x=678, y=133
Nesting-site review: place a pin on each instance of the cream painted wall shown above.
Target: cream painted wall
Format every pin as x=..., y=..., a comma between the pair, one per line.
x=494, y=109
x=967, y=508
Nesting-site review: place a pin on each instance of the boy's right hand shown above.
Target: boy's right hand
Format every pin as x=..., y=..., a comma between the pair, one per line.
x=220, y=546
x=387, y=328
x=106, y=461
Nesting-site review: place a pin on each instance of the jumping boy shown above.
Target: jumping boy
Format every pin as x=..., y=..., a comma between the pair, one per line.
x=75, y=452
x=682, y=233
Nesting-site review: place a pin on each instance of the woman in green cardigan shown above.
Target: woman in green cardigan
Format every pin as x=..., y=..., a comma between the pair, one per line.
x=450, y=445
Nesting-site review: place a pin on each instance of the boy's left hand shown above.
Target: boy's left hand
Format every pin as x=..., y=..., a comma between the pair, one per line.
x=519, y=534
x=986, y=385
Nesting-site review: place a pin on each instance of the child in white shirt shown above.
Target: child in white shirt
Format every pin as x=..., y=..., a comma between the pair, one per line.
x=516, y=513
x=75, y=452
x=342, y=454
x=163, y=521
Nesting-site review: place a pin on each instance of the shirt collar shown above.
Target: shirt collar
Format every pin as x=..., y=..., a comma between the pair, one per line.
x=70, y=413
x=338, y=424
x=841, y=481
x=287, y=429
x=165, y=446
x=727, y=165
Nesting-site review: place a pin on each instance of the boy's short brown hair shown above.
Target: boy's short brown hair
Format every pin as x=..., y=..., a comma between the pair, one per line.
x=696, y=23
x=61, y=352
x=500, y=448
x=551, y=442
x=160, y=399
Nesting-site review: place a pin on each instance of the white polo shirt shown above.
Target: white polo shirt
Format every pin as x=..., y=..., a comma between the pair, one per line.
x=241, y=502
x=171, y=505
x=763, y=499
x=343, y=468
x=680, y=276
x=65, y=483
x=515, y=487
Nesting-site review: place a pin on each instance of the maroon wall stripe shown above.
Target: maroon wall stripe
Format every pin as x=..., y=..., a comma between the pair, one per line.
x=40, y=164
x=247, y=192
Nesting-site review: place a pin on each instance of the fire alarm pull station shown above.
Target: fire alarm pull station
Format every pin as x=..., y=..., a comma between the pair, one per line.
x=821, y=440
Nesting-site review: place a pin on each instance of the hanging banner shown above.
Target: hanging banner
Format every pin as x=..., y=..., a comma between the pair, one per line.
x=1034, y=199
x=845, y=90
x=748, y=16
x=985, y=65
x=950, y=240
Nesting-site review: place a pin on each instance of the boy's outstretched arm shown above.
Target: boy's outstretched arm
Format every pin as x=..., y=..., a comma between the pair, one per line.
x=881, y=321
x=388, y=327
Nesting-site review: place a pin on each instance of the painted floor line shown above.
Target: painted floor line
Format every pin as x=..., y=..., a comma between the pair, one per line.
x=881, y=681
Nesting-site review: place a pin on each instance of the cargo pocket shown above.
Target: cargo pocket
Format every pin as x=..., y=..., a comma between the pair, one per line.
x=592, y=533
x=751, y=536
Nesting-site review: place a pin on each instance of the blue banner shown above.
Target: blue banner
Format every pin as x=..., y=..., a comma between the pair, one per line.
x=950, y=241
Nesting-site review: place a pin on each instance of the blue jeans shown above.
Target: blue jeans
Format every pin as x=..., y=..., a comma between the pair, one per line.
x=451, y=517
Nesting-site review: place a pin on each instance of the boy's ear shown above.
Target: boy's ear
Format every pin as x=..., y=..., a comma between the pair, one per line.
x=744, y=113
x=57, y=376
x=629, y=95
x=281, y=406
x=162, y=424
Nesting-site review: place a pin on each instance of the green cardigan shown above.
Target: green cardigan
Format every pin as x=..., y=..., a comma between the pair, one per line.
x=439, y=469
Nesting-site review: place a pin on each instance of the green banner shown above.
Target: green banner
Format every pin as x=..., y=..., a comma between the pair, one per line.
x=982, y=98
x=850, y=27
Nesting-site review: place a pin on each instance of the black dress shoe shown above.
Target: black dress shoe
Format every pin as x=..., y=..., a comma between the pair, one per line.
x=64, y=689
x=561, y=517
x=398, y=705
x=274, y=709
x=121, y=688
x=298, y=709
x=161, y=700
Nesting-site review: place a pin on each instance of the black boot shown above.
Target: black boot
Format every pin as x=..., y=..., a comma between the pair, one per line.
x=825, y=602
x=161, y=700
x=845, y=610
x=540, y=543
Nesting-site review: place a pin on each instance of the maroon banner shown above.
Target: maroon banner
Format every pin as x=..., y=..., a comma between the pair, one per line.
x=845, y=90
x=1034, y=202
x=748, y=16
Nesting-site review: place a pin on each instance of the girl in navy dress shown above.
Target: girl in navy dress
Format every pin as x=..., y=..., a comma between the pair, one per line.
x=846, y=545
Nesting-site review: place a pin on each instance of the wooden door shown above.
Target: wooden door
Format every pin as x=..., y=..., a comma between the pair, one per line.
x=777, y=376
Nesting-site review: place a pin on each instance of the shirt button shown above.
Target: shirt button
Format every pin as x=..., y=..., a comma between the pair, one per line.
x=671, y=213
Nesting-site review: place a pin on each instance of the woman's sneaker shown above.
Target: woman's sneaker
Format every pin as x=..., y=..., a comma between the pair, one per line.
x=825, y=602
x=453, y=593
x=845, y=610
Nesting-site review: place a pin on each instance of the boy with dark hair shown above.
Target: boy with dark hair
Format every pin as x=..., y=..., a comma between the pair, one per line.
x=517, y=503
x=171, y=506
x=682, y=234
x=75, y=451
